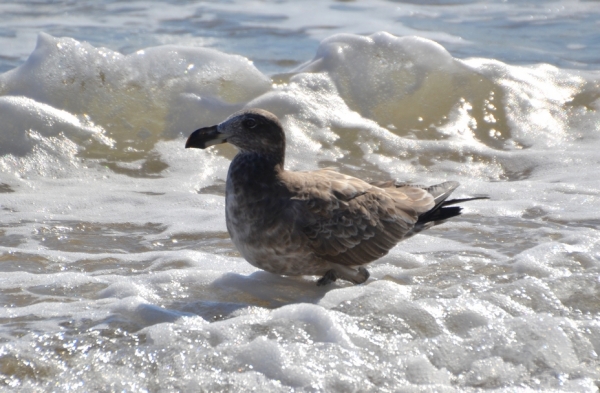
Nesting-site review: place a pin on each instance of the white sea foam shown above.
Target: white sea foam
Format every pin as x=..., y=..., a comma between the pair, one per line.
x=118, y=273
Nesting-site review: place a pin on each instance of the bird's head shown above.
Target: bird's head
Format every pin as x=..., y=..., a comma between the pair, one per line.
x=251, y=130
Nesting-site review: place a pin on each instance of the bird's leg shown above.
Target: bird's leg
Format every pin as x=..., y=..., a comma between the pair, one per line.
x=362, y=276
x=356, y=276
x=329, y=277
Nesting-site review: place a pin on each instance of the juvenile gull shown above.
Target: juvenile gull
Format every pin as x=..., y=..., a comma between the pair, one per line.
x=315, y=222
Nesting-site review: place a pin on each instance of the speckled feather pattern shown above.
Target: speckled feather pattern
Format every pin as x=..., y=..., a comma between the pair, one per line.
x=310, y=223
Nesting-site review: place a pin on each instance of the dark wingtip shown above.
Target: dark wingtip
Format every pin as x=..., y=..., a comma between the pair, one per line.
x=442, y=212
x=455, y=201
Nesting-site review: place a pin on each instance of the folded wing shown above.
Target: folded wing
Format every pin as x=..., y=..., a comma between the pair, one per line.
x=351, y=222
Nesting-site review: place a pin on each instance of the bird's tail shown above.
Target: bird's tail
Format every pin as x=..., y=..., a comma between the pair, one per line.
x=440, y=211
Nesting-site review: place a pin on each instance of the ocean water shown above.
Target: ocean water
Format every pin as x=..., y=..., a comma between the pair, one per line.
x=117, y=272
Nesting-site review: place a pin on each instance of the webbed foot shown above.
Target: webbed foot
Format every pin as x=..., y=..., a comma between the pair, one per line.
x=327, y=278
x=357, y=276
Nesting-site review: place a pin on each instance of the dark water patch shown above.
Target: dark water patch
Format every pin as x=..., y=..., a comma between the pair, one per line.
x=67, y=291
x=210, y=311
x=214, y=189
x=11, y=240
x=16, y=297
x=150, y=193
x=150, y=168
x=587, y=96
x=5, y=188
x=592, y=223
x=14, y=261
x=510, y=175
x=96, y=238
x=581, y=293
x=121, y=267
x=212, y=242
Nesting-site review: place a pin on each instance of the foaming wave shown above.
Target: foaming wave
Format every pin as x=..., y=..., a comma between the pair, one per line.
x=133, y=101
x=379, y=104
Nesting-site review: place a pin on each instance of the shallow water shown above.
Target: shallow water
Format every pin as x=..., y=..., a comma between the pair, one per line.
x=117, y=270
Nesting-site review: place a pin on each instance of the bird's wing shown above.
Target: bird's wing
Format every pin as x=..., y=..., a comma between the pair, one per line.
x=349, y=221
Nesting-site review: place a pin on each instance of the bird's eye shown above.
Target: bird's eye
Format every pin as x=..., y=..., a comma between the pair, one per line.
x=250, y=123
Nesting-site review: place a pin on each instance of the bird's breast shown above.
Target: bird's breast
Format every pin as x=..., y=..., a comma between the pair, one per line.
x=253, y=213
x=253, y=208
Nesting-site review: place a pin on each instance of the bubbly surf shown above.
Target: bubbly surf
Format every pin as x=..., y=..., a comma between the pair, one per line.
x=117, y=270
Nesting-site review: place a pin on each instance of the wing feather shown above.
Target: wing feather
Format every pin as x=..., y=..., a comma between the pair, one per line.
x=349, y=221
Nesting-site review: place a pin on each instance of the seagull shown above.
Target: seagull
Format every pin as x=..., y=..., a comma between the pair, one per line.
x=318, y=223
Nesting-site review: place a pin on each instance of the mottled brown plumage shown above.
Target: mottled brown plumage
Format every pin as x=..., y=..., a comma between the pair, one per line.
x=317, y=222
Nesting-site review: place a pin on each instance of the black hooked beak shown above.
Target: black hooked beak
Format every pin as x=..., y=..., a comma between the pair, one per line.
x=205, y=137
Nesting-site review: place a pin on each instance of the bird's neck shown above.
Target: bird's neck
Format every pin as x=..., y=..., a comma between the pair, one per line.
x=248, y=168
